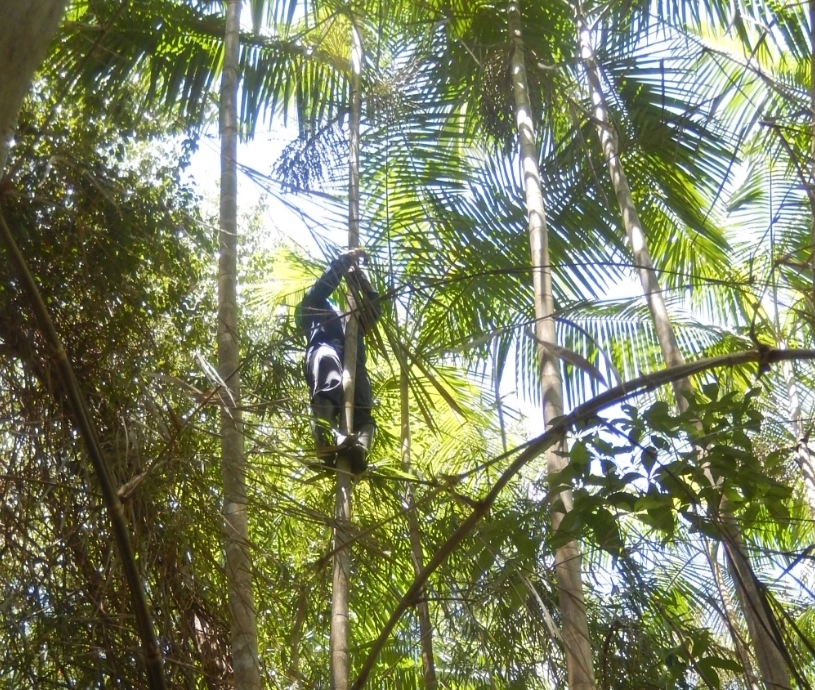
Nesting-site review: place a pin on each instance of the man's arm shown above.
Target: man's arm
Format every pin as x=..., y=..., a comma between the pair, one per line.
x=316, y=298
x=369, y=307
x=330, y=280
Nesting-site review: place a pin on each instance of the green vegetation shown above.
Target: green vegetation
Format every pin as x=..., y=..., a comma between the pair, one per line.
x=689, y=509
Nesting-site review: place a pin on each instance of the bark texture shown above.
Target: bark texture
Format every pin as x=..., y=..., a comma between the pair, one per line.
x=26, y=30
x=764, y=633
x=576, y=641
x=416, y=554
x=340, y=661
x=246, y=667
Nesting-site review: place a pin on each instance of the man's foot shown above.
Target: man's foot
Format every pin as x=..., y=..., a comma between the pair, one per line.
x=357, y=456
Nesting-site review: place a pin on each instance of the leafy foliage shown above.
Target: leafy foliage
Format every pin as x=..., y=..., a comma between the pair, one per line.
x=711, y=103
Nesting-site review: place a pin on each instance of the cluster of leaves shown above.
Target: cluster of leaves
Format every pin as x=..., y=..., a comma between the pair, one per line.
x=663, y=468
x=121, y=257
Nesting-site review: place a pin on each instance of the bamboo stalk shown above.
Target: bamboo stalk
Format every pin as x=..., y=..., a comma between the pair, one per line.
x=75, y=399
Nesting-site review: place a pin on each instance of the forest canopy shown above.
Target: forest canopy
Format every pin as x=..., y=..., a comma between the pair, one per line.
x=591, y=231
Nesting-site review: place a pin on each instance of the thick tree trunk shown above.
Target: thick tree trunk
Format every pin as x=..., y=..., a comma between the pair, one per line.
x=416, y=554
x=577, y=644
x=340, y=662
x=760, y=622
x=26, y=29
x=233, y=463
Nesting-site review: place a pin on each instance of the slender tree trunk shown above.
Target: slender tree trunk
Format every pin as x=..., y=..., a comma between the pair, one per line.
x=340, y=662
x=576, y=639
x=233, y=463
x=296, y=637
x=416, y=555
x=759, y=618
x=26, y=29
x=496, y=387
x=730, y=619
x=633, y=227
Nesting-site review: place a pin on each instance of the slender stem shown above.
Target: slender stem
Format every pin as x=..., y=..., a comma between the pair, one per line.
x=75, y=399
x=631, y=221
x=416, y=554
x=340, y=661
x=296, y=637
x=568, y=568
x=338, y=642
x=760, y=620
x=245, y=662
x=730, y=617
x=496, y=387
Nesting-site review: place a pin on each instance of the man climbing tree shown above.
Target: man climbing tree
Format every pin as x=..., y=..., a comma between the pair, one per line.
x=325, y=330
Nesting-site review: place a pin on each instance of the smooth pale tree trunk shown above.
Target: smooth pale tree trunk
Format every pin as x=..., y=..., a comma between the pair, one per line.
x=761, y=624
x=416, y=554
x=244, y=640
x=26, y=29
x=633, y=227
x=576, y=641
x=340, y=661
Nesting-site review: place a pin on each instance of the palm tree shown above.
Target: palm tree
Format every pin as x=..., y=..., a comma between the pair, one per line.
x=763, y=628
x=245, y=660
x=576, y=640
x=342, y=509
x=452, y=212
